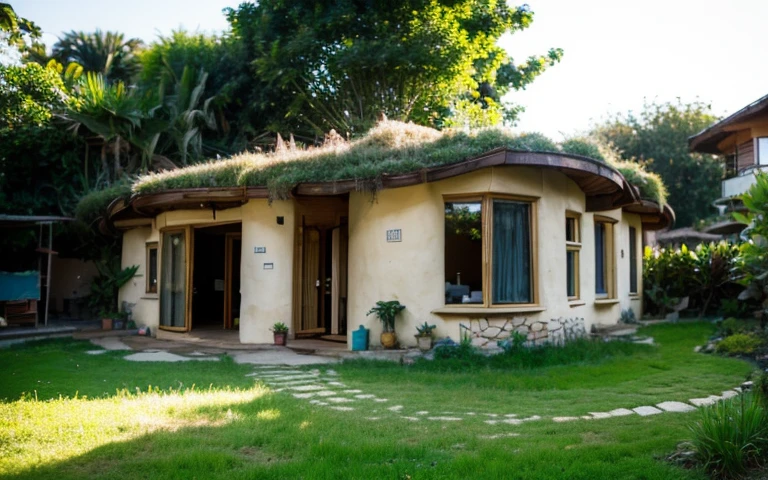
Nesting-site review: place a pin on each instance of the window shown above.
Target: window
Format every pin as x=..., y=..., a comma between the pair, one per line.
x=572, y=251
x=632, y=260
x=762, y=151
x=491, y=231
x=151, y=268
x=604, y=258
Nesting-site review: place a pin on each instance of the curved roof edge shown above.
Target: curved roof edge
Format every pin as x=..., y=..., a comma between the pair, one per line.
x=603, y=185
x=652, y=215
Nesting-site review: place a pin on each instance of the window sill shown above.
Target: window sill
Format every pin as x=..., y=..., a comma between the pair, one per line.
x=576, y=303
x=635, y=296
x=485, y=311
x=607, y=301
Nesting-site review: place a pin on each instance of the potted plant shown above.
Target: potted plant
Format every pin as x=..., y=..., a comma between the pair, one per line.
x=104, y=287
x=280, y=331
x=387, y=311
x=424, y=337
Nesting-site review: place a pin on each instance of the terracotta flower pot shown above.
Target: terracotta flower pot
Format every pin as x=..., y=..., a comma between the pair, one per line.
x=388, y=339
x=280, y=339
x=106, y=324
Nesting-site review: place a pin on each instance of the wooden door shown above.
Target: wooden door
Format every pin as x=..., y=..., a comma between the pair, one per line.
x=310, y=281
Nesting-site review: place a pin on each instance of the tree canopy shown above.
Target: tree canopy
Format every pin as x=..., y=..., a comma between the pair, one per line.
x=657, y=138
x=326, y=65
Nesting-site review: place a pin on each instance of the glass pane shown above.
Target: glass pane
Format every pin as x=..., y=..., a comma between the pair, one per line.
x=152, y=270
x=570, y=230
x=762, y=150
x=600, y=287
x=632, y=260
x=174, y=269
x=571, y=272
x=511, y=252
x=463, y=252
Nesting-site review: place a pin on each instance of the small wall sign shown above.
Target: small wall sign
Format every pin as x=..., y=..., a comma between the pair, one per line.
x=259, y=249
x=269, y=266
x=394, y=235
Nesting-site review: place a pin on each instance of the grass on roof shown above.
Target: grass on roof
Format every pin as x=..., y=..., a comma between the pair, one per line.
x=389, y=148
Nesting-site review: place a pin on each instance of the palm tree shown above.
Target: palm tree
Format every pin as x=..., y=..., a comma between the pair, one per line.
x=107, y=53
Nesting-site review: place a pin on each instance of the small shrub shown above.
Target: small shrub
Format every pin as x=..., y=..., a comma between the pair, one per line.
x=628, y=316
x=731, y=435
x=739, y=344
x=731, y=325
x=464, y=351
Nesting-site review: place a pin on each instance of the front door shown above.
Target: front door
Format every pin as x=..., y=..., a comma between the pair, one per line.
x=311, y=282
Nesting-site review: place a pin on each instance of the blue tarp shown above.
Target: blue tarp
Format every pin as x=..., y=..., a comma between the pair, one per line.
x=19, y=286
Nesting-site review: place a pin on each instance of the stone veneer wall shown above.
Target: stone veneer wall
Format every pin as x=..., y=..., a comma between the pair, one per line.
x=486, y=333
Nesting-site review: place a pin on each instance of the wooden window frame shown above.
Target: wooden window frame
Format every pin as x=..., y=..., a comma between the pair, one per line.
x=486, y=200
x=609, y=258
x=149, y=287
x=575, y=247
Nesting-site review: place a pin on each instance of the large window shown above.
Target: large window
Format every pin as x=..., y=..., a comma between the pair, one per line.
x=632, y=260
x=488, y=251
x=604, y=259
x=572, y=253
x=762, y=151
x=151, y=268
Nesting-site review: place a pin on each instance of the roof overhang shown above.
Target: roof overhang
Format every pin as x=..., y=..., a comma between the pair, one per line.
x=605, y=188
x=653, y=216
x=707, y=140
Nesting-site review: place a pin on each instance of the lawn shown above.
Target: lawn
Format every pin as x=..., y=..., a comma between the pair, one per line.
x=69, y=415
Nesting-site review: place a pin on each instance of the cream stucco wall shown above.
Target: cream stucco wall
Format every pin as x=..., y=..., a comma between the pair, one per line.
x=265, y=294
x=146, y=308
x=412, y=271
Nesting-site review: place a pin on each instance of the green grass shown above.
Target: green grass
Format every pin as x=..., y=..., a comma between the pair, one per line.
x=229, y=427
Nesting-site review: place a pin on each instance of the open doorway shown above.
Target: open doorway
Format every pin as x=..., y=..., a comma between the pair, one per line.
x=216, y=277
x=320, y=294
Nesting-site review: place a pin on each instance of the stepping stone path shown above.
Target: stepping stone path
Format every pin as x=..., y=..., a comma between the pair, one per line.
x=322, y=388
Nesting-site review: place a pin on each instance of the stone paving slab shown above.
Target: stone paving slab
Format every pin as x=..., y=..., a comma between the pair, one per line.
x=165, y=357
x=280, y=357
x=621, y=412
x=646, y=410
x=729, y=394
x=678, y=407
x=703, y=402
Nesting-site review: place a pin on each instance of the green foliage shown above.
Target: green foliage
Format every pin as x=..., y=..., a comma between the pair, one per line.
x=425, y=330
x=339, y=66
x=105, y=286
x=387, y=312
x=731, y=325
x=279, y=327
x=516, y=356
x=17, y=31
x=701, y=274
x=105, y=53
x=658, y=139
x=753, y=255
x=94, y=205
x=29, y=95
x=732, y=435
x=739, y=344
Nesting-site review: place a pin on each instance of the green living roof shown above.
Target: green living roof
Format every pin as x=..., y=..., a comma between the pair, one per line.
x=389, y=148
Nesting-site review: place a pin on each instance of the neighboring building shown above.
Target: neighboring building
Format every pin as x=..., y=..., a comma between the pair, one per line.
x=506, y=237
x=742, y=140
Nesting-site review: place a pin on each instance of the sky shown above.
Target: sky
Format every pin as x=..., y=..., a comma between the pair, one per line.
x=618, y=53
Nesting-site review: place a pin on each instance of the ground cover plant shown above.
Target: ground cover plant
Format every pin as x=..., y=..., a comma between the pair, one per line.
x=68, y=415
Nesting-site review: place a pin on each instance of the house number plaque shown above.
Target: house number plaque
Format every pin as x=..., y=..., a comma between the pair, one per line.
x=394, y=235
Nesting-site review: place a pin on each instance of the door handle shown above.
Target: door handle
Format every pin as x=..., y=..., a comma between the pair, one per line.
x=317, y=283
